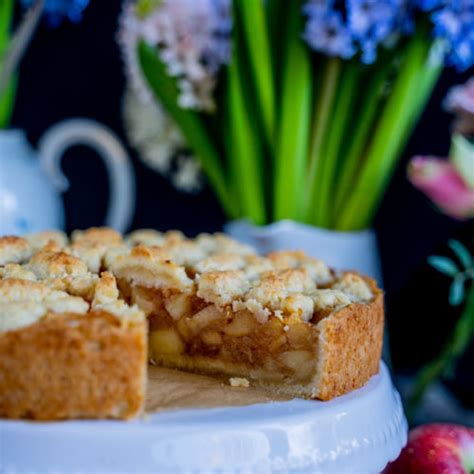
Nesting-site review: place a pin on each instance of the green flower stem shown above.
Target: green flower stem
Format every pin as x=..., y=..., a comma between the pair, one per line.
x=324, y=101
x=292, y=140
x=351, y=160
x=7, y=98
x=190, y=123
x=463, y=334
x=7, y=102
x=384, y=150
x=232, y=164
x=6, y=15
x=244, y=152
x=254, y=27
x=340, y=117
x=276, y=11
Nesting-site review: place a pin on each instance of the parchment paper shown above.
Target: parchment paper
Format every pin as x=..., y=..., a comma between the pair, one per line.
x=171, y=389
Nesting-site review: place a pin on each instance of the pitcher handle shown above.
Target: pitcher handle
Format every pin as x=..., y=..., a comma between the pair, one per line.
x=80, y=131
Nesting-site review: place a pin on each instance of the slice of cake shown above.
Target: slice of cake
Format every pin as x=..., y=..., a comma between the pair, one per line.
x=69, y=347
x=285, y=321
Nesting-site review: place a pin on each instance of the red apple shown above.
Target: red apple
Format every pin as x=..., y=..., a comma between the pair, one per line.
x=436, y=449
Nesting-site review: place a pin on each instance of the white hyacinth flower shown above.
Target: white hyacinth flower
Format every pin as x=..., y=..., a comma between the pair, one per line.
x=192, y=38
x=159, y=142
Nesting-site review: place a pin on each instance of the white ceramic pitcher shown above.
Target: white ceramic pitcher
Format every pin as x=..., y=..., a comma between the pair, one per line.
x=31, y=182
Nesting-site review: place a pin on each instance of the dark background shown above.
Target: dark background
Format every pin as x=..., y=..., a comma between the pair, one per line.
x=76, y=70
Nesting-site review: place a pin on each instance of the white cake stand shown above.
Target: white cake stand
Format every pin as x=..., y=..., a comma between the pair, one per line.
x=356, y=433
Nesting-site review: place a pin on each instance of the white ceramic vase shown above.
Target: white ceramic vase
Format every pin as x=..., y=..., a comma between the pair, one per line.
x=341, y=250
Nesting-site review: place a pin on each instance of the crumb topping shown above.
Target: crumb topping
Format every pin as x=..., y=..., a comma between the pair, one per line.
x=39, y=240
x=317, y=269
x=57, y=282
x=239, y=382
x=23, y=302
x=222, y=288
x=97, y=235
x=50, y=264
x=150, y=267
x=223, y=272
x=214, y=268
x=92, y=244
x=151, y=237
x=329, y=298
x=14, y=249
x=14, y=270
x=354, y=286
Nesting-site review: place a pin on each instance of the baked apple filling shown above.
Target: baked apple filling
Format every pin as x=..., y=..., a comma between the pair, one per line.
x=184, y=325
x=267, y=319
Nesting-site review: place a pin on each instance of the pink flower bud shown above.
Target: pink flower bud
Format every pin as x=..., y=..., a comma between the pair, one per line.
x=442, y=183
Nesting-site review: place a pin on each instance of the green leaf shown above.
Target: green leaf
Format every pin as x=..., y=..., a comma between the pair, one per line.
x=413, y=85
x=318, y=178
x=456, y=292
x=7, y=8
x=7, y=102
x=462, y=253
x=462, y=155
x=244, y=148
x=454, y=348
x=255, y=32
x=449, y=371
x=191, y=123
x=462, y=333
x=144, y=8
x=292, y=140
x=444, y=265
x=276, y=13
x=7, y=97
x=352, y=157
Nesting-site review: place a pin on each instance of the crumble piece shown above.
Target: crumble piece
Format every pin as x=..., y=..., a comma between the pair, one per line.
x=239, y=382
x=14, y=250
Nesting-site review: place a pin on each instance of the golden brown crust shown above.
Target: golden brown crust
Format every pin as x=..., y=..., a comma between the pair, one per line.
x=349, y=347
x=72, y=366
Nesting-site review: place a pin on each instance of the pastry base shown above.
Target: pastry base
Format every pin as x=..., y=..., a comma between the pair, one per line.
x=73, y=366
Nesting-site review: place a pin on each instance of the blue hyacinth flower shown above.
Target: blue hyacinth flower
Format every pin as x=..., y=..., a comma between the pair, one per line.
x=326, y=32
x=454, y=26
x=56, y=11
x=371, y=23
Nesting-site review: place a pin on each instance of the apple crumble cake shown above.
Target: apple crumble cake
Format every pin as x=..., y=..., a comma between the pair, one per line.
x=64, y=336
x=284, y=321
